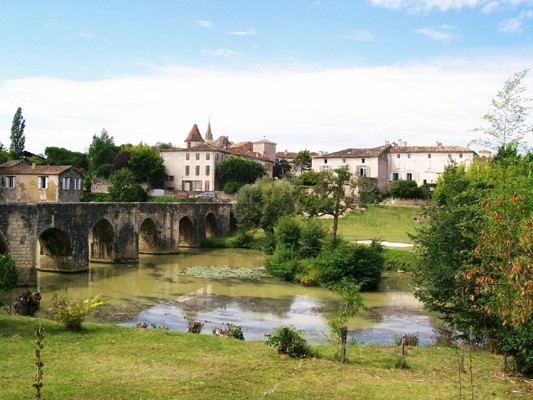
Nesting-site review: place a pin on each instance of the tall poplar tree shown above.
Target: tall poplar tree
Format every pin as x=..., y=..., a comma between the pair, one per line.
x=16, y=149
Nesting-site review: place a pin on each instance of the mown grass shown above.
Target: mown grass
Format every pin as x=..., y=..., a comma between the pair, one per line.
x=386, y=223
x=110, y=362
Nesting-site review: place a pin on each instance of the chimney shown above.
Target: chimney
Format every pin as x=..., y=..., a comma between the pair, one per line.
x=32, y=165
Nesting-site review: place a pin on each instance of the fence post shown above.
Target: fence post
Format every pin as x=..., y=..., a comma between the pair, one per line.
x=344, y=334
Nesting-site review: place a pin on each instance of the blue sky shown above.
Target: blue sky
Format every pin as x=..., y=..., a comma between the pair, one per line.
x=320, y=75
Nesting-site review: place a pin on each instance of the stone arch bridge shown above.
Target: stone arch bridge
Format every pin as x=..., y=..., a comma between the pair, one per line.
x=64, y=237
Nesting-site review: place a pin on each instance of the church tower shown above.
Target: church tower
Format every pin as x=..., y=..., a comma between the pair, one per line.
x=209, y=134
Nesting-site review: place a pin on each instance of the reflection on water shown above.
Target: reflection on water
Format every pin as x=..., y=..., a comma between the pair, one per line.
x=153, y=292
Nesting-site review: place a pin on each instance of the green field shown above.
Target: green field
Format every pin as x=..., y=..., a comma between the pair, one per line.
x=110, y=362
x=387, y=223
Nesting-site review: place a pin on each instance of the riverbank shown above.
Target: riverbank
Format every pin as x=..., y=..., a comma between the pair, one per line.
x=110, y=362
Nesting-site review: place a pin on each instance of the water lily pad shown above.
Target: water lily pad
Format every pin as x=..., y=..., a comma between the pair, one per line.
x=225, y=272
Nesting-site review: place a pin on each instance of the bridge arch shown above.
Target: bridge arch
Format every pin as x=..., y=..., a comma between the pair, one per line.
x=211, y=225
x=3, y=244
x=148, y=234
x=102, y=241
x=54, y=250
x=187, y=232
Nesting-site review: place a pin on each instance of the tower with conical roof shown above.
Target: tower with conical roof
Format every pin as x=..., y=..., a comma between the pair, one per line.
x=194, y=138
x=209, y=134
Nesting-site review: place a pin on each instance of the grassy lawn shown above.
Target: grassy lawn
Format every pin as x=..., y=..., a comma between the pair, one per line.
x=110, y=362
x=387, y=223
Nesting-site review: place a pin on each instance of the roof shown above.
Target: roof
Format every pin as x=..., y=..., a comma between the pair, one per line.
x=21, y=167
x=355, y=153
x=208, y=148
x=430, y=149
x=194, y=135
x=266, y=141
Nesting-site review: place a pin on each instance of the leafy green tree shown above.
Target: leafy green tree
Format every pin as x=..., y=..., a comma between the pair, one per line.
x=120, y=161
x=287, y=233
x=163, y=146
x=303, y=161
x=262, y=204
x=62, y=156
x=407, y=189
x=281, y=168
x=147, y=164
x=4, y=155
x=238, y=170
x=507, y=116
x=123, y=186
x=312, y=238
x=350, y=263
x=333, y=195
x=16, y=149
x=102, y=151
x=9, y=274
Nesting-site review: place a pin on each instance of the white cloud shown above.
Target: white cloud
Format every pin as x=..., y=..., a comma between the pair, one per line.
x=416, y=6
x=331, y=109
x=203, y=23
x=443, y=35
x=87, y=35
x=218, y=53
x=514, y=25
x=249, y=32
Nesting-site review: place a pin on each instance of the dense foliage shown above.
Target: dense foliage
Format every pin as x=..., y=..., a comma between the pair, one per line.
x=102, y=151
x=290, y=342
x=123, y=186
x=407, y=189
x=18, y=139
x=72, y=313
x=62, y=156
x=238, y=171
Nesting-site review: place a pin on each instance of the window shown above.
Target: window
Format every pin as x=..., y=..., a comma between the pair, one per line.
x=429, y=155
x=77, y=183
x=409, y=155
x=208, y=156
x=197, y=170
x=344, y=160
x=42, y=182
x=324, y=168
x=461, y=155
x=187, y=156
x=197, y=185
x=170, y=178
x=362, y=170
x=409, y=176
x=395, y=176
x=207, y=170
x=206, y=185
x=9, y=182
x=65, y=183
x=397, y=156
x=362, y=160
x=197, y=156
x=187, y=170
x=325, y=160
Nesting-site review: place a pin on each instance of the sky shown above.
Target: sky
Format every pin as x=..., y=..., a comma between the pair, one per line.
x=307, y=74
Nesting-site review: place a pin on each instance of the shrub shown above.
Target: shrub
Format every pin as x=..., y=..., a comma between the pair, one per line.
x=407, y=189
x=243, y=240
x=27, y=303
x=232, y=187
x=354, y=263
x=290, y=342
x=410, y=339
x=371, y=197
x=9, y=272
x=233, y=331
x=72, y=313
x=284, y=263
x=287, y=233
x=312, y=238
x=269, y=243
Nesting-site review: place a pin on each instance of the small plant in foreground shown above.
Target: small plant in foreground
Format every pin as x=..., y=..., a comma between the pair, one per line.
x=230, y=330
x=27, y=303
x=72, y=313
x=289, y=341
x=409, y=339
x=38, y=361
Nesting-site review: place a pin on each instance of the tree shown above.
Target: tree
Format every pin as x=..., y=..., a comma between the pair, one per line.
x=9, y=274
x=16, y=149
x=302, y=162
x=507, y=116
x=102, y=151
x=281, y=168
x=147, y=165
x=62, y=156
x=333, y=195
x=4, y=155
x=123, y=186
x=262, y=204
x=237, y=170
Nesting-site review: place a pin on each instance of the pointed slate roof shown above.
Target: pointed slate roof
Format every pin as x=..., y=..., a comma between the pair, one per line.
x=194, y=135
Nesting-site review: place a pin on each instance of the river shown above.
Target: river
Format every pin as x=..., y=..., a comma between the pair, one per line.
x=218, y=286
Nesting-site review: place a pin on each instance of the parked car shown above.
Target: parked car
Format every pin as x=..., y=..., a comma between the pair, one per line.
x=207, y=195
x=182, y=194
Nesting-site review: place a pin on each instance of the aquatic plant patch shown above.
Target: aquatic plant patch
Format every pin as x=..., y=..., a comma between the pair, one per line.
x=226, y=272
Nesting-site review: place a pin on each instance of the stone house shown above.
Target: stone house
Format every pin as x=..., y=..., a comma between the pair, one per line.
x=424, y=164
x=368, y=163
x=193, y=168
x=23, y=182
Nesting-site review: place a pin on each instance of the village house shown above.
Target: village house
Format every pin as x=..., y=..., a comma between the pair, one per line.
x=424, y=164
x=24, y=182
x=193, y=168
x=368, y=163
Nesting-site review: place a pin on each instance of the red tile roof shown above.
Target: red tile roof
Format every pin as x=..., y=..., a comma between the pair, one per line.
x=194, y=135
x=20, y=167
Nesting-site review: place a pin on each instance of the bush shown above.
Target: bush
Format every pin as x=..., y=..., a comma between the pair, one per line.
x=73, y=312
x=406, y=189
x=244, y=240
x=287, y=233
x=284, y=263
x=354, y=263
x=9, y=272
x=27, y=303
x=312, y=238
x=371, y=197
x=290, y=342
x=232, y=187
